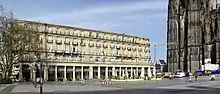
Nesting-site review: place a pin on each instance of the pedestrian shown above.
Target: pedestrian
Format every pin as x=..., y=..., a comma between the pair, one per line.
x=34, y=83
x=196, y=76
x=190, y=79
x=213, y=78
x=38, y=80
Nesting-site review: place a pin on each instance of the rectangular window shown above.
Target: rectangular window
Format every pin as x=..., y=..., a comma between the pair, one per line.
x=90, y=51
x=75, y=58
x=67, y=48
x=75, y=41
x=58, y=47
x=75, y=49
x=58, y=58
x=50, y=56
x=58, y=39
x=67, y=58
x=49, y=47
x=58, y=31
x=67, y=40
x=67, y=32
x=82, y=58
x=91, y=59
x=112, y=60
x=98, y=51
x=97, y=35
x=50, y=30
x=49, y=37
x=74, y=33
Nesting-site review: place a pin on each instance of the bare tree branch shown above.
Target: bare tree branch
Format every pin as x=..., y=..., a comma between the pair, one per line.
x=17, y=39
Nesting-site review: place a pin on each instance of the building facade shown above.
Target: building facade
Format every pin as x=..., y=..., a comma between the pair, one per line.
x=72, y=54
x=192, y=34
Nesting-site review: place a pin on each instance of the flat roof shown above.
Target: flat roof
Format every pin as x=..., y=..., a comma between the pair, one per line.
x=99, y=31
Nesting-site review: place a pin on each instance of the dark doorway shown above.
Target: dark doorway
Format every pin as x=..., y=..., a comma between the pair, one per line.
x=26, y=72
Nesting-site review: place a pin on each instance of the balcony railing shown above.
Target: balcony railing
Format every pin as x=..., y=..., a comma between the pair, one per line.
x=75, y=43
x=67, y=42
x=49, y=40
x=83, y=44
x=98, y=45
x=91, y=44
x=139, y=49
x=118, y=47
x=59, y=51
x=75, y=34
x=58, y=41
x=112, y=46
x=105, y=45
x=134, y=49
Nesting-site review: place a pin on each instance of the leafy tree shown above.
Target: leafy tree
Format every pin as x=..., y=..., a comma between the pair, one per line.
x=18, y=42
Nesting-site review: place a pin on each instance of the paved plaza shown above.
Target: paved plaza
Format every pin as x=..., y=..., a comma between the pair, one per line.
x=174, y=86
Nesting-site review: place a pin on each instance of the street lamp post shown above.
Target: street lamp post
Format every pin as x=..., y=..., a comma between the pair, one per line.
x=41, y=78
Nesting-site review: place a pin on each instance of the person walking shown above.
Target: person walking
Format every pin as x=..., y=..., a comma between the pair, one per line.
x=34, y=83
x=196, y=76
x=190, y=79
x=213, y=78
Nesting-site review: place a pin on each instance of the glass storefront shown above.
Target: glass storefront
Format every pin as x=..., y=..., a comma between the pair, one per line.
x=102, y=72
x=60, y=73
x=69, y=73
x=78, y=73
x=51, y=73
x=95, y=72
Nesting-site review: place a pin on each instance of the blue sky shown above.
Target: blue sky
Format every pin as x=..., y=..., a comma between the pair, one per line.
x=144, y=18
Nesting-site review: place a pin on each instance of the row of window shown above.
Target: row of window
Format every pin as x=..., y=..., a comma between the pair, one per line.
x=95, y=59
x=69, y=49
x=112, y=46
x=95, y=35
x=76, y=41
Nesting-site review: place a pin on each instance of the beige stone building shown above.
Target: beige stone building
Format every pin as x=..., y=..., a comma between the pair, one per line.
x=76, y=53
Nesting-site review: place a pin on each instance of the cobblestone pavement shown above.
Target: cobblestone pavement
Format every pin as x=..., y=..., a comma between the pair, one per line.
x=174, y=86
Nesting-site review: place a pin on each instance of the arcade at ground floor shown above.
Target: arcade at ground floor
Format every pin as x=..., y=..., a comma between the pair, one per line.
x=75, y=72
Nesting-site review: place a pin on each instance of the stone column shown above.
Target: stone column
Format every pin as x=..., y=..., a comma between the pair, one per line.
x=20, y=73
x=56, y=73
x=99, y=72
x=113, y=71
x=91, y=72
x=74, y=73
x=131, y=71
x=64, y=74
x=45, y=73
x=149, y=72
x=120, y=72
x=136, y=71
x=154, y=71
x=82, y=73
x=106, y=72
x=126, y=71
x=142, y=72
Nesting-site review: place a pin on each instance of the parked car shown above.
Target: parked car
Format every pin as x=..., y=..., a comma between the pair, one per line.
x=168, y=75
x=179, y=75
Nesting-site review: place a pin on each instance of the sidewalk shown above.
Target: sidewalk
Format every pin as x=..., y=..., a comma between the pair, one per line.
x=60, y=88
x=3, y=86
